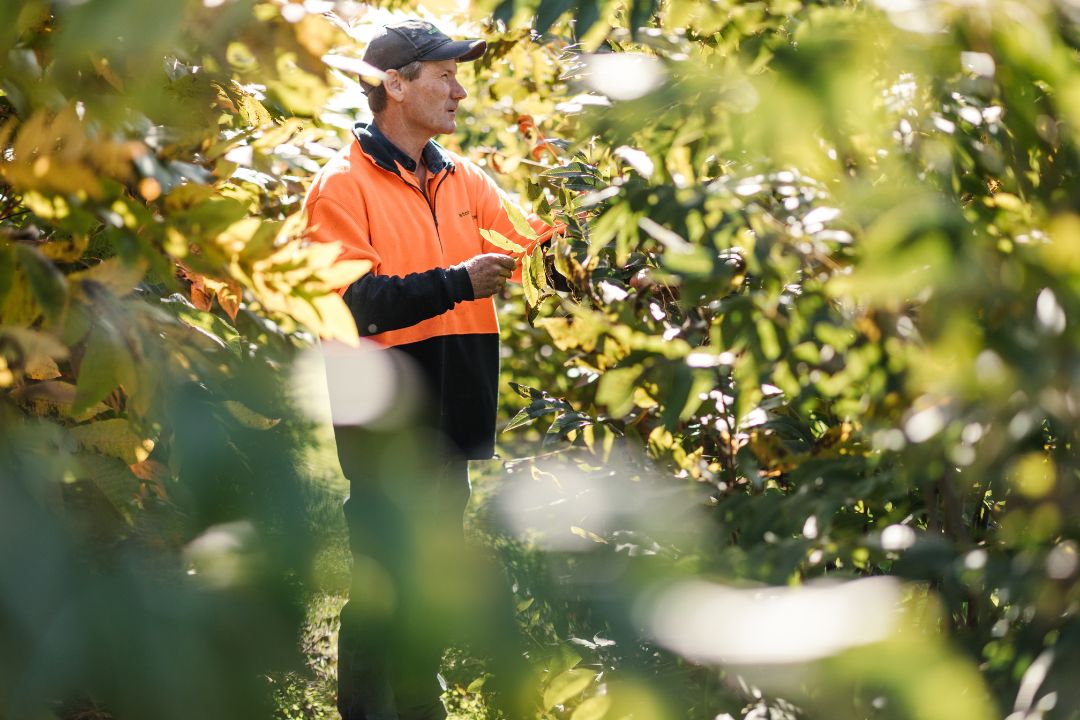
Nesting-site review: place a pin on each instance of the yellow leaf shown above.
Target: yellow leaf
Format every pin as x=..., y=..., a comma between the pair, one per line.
x=41, y=367
x=318, y=254
x=517, y=218
x=294, y=227
x=279, y=134
x=114, y=438
x=533, y=278
x=39, y=350
x=236, y=236
x=248, y=417
x=118, y=276
x=343, y=273
x=583, y=331
x=300, y=310
x=337, y=322
x=316, y=34
x=58, y=395
x=253, y=112
x=175, y=243
x=501, y=241
x=67, y=249
x=46, y=207
x=19, y=307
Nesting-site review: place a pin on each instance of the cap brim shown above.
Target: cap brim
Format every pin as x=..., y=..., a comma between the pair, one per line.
x=460, y=50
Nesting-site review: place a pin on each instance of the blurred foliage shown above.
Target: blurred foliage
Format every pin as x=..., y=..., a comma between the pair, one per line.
x=154, y=284
x=820, y=324
x=812, y=317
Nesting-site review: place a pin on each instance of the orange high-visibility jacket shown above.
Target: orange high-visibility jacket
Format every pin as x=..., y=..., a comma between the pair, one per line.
x=417, y=298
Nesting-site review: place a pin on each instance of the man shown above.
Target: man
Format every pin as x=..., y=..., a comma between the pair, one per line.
x=396, y=198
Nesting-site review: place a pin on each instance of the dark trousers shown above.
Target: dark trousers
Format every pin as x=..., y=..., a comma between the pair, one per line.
x=393, y=631
x=417, y=586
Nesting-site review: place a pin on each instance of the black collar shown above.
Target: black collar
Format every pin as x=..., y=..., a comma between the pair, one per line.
x=388, y=156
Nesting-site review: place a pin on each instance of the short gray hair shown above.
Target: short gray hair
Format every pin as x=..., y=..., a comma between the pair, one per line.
x=376, y=96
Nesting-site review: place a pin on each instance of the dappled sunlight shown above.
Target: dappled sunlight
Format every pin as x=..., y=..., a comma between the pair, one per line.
x=362, y=385
x=756, y=626
x=789, y=403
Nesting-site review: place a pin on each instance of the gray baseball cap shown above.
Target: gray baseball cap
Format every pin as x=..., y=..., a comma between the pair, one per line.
x=401, y=43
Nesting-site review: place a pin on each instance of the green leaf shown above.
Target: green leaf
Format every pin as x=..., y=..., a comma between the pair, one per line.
x=567, y=422
x=679, y=256
x=567, y=685
x=111, y=476
x=46, y=282
x=548, y=12
x=116, y=275
x=7, y=272
x=533, y=278
x=538, y=408
x=587, y=15
x=770, y=343
x=577, y=176
x=501, y=241
x=208, y=323
x=526, y=391
x=517, y=218
x=616, y=389
x=679, y=383
x=105, y=361
x=593, y=708
x=114, y=438
x=641, y=12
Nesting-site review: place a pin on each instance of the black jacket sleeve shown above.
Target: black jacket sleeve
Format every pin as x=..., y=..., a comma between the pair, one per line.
x=380, y=303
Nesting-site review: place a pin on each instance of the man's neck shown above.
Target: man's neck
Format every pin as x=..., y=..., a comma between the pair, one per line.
x=404, y=138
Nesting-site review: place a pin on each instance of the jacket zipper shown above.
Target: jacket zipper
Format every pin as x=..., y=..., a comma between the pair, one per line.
x=430, y=203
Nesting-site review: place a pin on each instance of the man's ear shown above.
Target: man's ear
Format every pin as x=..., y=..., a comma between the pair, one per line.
x=395, y=85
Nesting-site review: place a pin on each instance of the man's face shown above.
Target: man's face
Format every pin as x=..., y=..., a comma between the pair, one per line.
x=431, y=100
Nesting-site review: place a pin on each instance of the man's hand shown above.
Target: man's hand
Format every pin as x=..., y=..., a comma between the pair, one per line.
x=489, y=273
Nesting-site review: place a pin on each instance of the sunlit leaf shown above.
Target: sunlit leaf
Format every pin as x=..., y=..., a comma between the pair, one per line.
x=114, y=438
x=568, y=685
x=116, y=275
x=593, y=708
x=501, y=241
x=533, y=280
x=343, y=273
x=248, y=417
x=517, y=218
x=616, y=389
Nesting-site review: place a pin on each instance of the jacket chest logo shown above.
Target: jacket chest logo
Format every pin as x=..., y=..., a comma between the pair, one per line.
x=464, y=213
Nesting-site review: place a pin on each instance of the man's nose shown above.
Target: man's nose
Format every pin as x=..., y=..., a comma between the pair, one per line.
x=458, y=91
